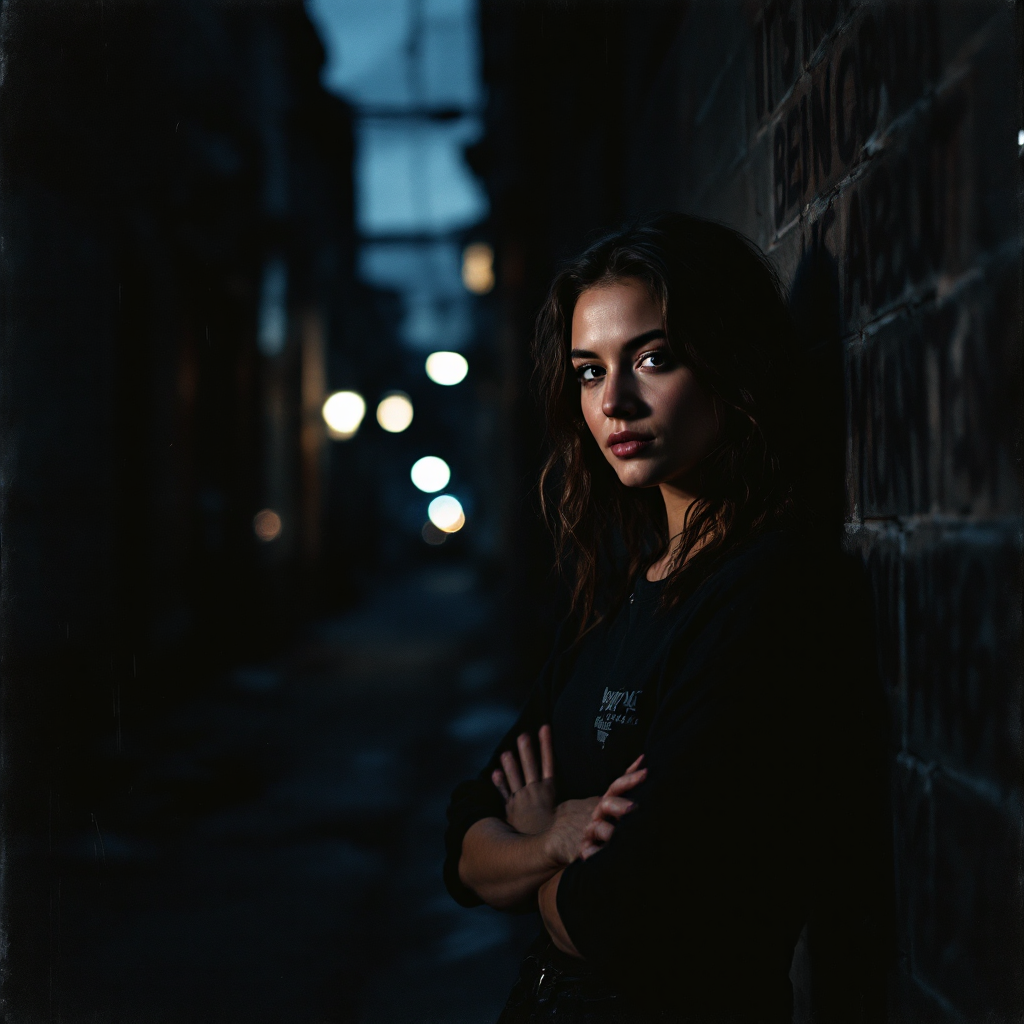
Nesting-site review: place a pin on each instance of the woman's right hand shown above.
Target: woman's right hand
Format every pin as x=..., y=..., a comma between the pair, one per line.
x=528, y=791
x=610, y=807
x=530, y=799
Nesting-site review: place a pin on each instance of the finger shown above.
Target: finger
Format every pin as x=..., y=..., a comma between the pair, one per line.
x=498, y=778
x=511, y=765
x=634, y=766
x=598, y=832
x=612, y=807
x=588, y=842
x=528, y=759
x=547, y=753
x=624, y=783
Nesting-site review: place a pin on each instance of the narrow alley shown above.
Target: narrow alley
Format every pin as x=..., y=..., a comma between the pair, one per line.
x=285, y=859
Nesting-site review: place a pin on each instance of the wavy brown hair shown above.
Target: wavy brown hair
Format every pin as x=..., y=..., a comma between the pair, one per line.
x=727, y=320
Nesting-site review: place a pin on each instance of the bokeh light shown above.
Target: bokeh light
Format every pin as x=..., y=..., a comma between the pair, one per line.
x=394, y=413
x=446, y=514
x=478, y=268
x=266, y=524
x=430, y=474
x=446, y=367
x=343, y=412
x=432, y=535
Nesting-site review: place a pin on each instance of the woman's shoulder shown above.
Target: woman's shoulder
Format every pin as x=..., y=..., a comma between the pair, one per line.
x=781, y=562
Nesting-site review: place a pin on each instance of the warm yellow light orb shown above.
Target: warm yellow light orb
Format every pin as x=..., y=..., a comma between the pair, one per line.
x=394, y=413
x=446, y=514
x=343, y=412
x=430, y=474
x=478, y=268
x=266, y=524
x=446, y=368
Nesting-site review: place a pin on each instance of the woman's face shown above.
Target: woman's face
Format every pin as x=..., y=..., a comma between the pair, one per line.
x=649, y=416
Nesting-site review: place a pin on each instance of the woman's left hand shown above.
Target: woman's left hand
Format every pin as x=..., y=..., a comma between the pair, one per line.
x=612, y=806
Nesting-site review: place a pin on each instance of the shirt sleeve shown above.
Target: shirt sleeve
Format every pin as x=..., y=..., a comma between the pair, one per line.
x=710, y=858
x=478, y=798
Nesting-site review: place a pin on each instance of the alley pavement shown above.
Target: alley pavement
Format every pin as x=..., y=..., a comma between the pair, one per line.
x=285, y=861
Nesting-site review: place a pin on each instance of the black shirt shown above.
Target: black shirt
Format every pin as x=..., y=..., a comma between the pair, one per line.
x=756, y=713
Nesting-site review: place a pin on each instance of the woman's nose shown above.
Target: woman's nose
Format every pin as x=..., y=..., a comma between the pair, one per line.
x=619, y=399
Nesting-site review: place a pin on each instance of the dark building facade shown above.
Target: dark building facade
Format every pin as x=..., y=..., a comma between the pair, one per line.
x=882, y=137
x=177, y=269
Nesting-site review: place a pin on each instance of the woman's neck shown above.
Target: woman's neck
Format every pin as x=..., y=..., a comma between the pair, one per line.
x=677, y=502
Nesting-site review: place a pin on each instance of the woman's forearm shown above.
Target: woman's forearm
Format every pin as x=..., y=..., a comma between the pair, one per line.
x=547, y=903
x=504, y=867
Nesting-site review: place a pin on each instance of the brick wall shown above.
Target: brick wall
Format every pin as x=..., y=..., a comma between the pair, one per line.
x=887, y=133
x=884, y=134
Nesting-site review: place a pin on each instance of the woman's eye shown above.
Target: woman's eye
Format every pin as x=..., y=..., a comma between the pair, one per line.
x=654, y=359
x=588, y=374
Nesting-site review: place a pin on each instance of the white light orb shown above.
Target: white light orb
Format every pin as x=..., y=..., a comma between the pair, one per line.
x=430, y=474
x=446, y=514
x=446, y=368
x=394, y=413
x=478, y=268
x=343, y=412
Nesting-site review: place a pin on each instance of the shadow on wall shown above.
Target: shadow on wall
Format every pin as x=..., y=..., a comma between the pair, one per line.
x=815, y=303
x=840, y=965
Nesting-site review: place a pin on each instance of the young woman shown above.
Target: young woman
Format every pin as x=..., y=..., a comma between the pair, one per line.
x=680, y=784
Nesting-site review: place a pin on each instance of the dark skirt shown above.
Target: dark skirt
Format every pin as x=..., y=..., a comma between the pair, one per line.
x=555, y=987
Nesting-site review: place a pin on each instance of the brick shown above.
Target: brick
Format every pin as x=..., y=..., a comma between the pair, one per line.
x=890, y=433
x=993, y=84
x=931, y=406
x=902, y=227
x=817, y=19
x=973, y=364
x=880, y=550
x=785, y=253
x=973, y=951
x=883, y=59
x=963, y=632
x=958, y=934
x=912, y=849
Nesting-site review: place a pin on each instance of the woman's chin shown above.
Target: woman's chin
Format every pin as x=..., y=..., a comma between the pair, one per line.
x=636, y=475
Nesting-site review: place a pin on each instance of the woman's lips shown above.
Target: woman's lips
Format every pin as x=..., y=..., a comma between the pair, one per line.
x=625, y=443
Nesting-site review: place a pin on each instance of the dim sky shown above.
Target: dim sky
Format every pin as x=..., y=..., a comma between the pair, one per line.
x=393, y=59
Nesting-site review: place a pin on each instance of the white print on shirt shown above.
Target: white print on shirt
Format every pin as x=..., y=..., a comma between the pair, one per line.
x=615, y=708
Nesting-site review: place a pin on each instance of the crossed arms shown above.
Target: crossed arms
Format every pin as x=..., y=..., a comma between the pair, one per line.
x=508, y=862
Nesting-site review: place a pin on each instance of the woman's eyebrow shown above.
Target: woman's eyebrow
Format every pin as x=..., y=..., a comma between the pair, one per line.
x=640, y=339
